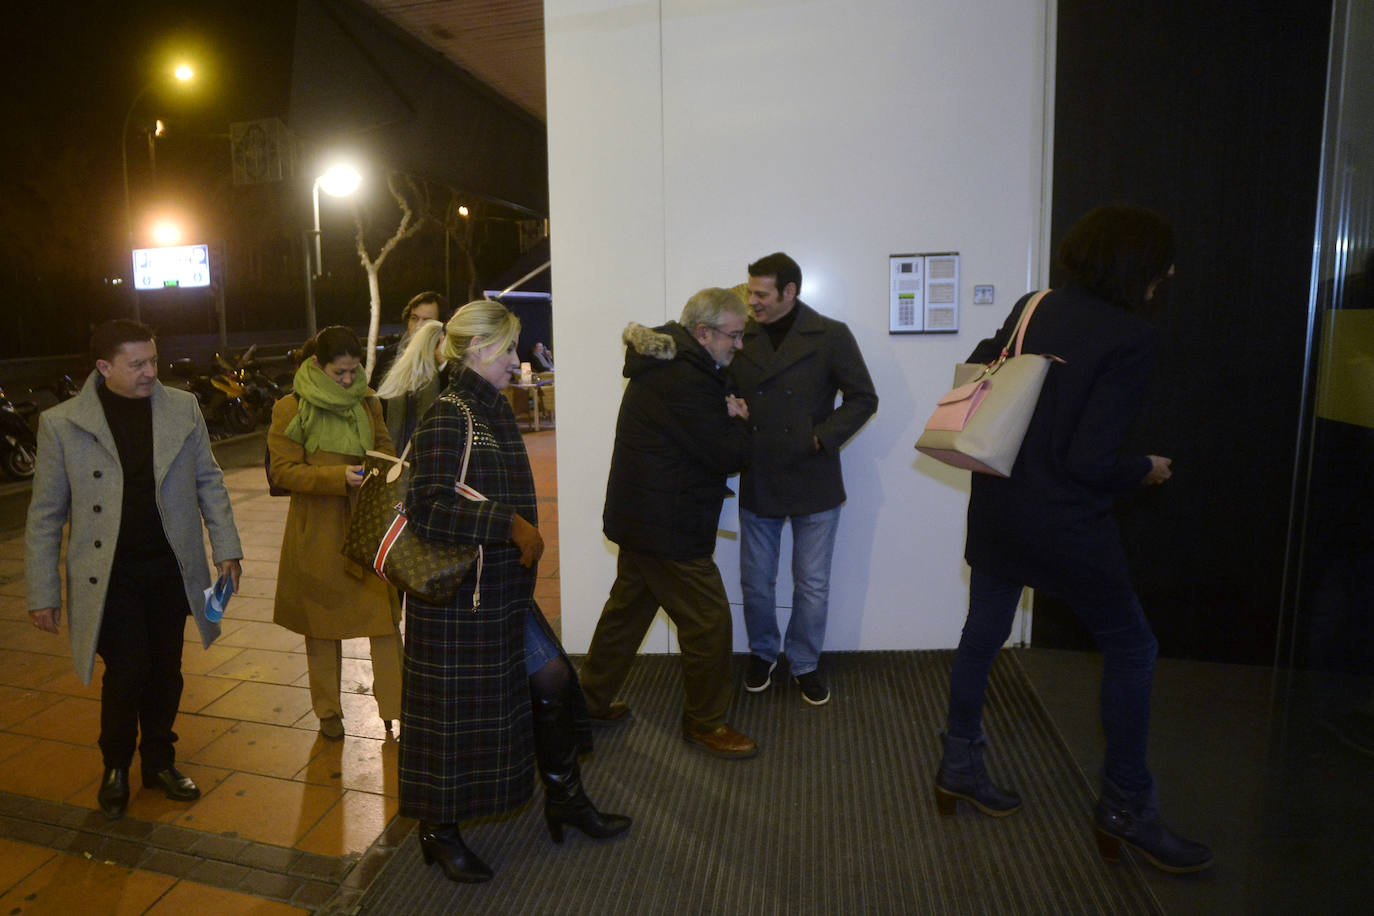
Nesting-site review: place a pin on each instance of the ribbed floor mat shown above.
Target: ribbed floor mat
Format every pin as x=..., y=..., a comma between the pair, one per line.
x=835, y=815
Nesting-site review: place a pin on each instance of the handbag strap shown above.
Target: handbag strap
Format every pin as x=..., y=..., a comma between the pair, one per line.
x=1018, y=333
x=467, y=446
x=464, y=490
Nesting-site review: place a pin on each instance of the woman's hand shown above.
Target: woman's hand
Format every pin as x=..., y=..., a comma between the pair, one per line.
x=354, y=475
x=1159, y=470
x=528, y=539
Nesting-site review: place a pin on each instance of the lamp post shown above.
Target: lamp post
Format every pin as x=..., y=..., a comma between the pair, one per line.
x=339, y=180
x=183, y=73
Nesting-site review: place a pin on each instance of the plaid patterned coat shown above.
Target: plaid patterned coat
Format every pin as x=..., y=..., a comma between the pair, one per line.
x=466, y=742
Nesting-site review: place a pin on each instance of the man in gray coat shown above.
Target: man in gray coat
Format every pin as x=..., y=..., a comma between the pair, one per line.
x=128, y=463
x=793, y=363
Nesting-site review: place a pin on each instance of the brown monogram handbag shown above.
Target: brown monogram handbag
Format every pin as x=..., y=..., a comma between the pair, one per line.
x=379, y=537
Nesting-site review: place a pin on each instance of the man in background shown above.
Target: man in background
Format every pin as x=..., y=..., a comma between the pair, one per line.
x=793, y=363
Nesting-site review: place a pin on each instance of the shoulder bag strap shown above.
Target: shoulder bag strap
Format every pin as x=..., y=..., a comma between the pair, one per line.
x=467, y=492
x=1019, y=332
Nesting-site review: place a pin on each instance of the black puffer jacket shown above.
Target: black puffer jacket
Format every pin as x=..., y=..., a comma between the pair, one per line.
x=675, y=445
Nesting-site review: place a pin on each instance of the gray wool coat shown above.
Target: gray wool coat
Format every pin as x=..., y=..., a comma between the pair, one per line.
x=79, y=477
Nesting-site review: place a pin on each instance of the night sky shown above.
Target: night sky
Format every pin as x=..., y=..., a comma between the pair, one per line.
x=72, y=70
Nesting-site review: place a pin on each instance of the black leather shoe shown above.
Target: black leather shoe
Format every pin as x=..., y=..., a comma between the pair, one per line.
x=175, y=784
x=114, y=792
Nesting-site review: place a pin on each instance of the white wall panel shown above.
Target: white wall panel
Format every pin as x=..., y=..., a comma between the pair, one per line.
x=840, y=132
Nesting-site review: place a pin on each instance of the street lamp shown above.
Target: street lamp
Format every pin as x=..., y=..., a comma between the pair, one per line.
x=183, y=73
x=339, y=180
x=166, y=232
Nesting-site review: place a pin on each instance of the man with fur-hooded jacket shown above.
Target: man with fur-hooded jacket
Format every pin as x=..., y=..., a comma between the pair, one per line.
x=680, y=434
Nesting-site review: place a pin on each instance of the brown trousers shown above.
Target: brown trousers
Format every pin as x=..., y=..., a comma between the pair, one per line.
x=693, y=595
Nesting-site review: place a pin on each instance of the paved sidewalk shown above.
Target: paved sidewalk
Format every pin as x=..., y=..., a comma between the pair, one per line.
x=287, y=822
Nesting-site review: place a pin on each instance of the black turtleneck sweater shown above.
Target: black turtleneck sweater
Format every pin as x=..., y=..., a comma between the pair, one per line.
x=777, y=330
x=141, y=537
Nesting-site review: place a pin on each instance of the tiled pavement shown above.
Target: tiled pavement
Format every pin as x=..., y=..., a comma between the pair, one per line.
x=287, y=822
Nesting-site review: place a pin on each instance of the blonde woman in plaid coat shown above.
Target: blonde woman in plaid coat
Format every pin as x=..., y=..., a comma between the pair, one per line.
x=489, y=696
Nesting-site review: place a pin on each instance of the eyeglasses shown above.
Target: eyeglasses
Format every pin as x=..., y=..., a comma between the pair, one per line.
x=735, y=336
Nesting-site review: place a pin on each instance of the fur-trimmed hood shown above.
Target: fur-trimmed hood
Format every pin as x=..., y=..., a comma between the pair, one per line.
x=648, y=348
x=653, y=342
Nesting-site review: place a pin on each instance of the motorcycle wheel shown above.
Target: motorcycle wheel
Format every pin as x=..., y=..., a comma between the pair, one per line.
x=238, y=419
x=19, y=461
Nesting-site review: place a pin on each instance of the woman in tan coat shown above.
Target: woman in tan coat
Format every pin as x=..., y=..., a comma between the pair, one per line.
x=317, y=441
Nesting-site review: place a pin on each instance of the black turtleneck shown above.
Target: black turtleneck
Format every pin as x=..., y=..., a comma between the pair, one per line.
x=141, y=537
x=777, y=330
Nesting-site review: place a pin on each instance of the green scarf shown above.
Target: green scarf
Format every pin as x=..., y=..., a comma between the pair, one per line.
x=331, y=418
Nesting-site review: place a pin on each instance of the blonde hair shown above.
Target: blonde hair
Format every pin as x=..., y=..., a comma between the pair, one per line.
x=415, y=366
x=479, y=324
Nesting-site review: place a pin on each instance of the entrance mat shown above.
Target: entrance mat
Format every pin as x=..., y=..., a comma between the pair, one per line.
x=835, y=814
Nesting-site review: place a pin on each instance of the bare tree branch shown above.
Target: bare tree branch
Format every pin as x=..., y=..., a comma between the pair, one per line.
x=409, y=225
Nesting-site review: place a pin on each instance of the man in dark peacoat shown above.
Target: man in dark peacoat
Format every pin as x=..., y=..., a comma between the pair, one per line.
x=793, y=363
x=678, y=437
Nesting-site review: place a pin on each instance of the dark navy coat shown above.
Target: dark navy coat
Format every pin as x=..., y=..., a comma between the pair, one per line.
x=1050, y=524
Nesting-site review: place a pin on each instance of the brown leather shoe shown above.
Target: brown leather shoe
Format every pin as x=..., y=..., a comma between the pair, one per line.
x=722, y=741
x=614, y=714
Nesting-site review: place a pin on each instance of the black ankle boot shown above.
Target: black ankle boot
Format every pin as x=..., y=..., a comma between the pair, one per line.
x=962, y=775
x=555, y=750
x=1132, y=818
x=442, y=843
x=113, y=795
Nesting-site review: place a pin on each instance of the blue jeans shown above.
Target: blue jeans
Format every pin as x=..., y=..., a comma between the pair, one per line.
x=1117, y=622
x=539, y=649
x=813, y=545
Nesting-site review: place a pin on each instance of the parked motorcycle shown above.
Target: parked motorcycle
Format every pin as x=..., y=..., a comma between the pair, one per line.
x=18, y=445
x=261, y=390
x=221, y=398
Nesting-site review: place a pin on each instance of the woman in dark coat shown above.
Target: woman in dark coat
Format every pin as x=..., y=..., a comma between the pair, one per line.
x=489, y=695
x=1050, y=526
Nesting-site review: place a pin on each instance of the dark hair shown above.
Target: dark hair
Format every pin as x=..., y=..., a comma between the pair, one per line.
x=331, y=343
x=425, y=298
x=1117, y=252
x=110, y=336
x=780, y=267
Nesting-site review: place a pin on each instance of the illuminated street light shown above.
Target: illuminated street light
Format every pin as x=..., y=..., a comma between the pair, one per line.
x=183, y=73
x=339, y=180
x=166, y=232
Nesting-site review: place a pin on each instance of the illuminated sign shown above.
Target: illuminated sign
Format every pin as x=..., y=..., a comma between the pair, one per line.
x=174, y=266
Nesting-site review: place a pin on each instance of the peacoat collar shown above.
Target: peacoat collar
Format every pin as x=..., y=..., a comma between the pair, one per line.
x=478, y=389
x=170, y=427
x=807, y=335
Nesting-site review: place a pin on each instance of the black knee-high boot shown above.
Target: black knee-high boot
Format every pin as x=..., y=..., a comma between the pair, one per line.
x=555, y=750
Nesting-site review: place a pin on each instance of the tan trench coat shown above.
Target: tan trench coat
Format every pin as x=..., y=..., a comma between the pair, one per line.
x=320, y=593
